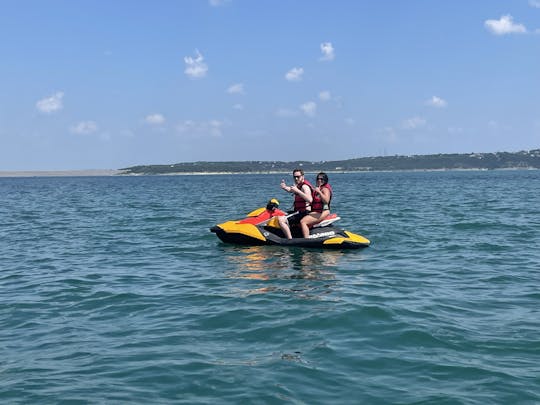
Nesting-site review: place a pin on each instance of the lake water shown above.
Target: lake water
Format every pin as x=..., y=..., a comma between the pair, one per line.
x=113, y=290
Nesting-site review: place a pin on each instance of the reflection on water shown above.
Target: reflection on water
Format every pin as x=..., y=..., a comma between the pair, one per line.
x=273, y=264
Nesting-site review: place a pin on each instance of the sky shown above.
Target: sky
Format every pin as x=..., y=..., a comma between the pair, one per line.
x=99, y=84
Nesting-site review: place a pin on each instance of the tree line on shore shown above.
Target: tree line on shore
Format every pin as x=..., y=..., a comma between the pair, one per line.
x=471, y=161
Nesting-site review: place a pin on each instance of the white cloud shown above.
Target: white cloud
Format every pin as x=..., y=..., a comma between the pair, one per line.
x=413, y=123
x=84, y=128
x=328, y=51
x=237, y=88
x=309, y=108
x=436, y=102
x=534, y=3
x=201, y=129
x=185, y=126
x=294, y=75
x=195, y=67
x=215, y=127
x=505, y=25
x=238, y=106
x=51, y=104
x=350, y=121
x=325, y=95
x=155, y=119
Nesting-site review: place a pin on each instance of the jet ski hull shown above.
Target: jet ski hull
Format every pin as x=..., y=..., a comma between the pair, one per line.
x=327, y=237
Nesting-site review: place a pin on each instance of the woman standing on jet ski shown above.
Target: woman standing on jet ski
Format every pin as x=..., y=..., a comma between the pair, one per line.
x=320, y=206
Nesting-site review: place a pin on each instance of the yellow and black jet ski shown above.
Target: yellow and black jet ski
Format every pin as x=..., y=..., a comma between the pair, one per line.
x=261, y=227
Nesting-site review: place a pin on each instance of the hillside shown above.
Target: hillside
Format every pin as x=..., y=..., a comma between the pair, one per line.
x=489, y=161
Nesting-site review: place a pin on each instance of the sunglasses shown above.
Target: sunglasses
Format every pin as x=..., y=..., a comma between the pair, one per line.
x=320, y=178
x=297, y=177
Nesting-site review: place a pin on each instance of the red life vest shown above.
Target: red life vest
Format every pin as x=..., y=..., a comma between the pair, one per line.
x=317, y=205
x=300, y=204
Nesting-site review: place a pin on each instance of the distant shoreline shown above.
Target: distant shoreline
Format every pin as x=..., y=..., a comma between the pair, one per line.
x=60, y=173
x=464, y=161
x=121, y=173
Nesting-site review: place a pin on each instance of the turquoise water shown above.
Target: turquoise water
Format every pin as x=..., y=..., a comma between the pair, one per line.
x=113, y=290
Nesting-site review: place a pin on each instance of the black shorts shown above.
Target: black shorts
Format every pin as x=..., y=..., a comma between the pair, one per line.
x=295, y=219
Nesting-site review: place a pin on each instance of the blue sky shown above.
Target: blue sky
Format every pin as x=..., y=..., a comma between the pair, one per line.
x=108, y=84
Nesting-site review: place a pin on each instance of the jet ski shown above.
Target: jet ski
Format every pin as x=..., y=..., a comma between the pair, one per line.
x=261, y=227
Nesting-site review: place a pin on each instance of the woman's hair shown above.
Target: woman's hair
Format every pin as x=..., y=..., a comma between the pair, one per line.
x=324, y=176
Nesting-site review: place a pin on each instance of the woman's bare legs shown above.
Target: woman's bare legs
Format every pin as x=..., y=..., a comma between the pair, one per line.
x=310, y=220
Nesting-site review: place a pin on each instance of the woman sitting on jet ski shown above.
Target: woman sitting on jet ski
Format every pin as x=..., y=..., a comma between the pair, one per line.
x=320, y=206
